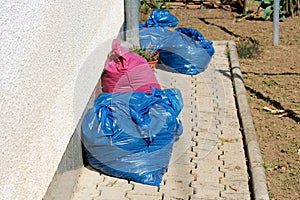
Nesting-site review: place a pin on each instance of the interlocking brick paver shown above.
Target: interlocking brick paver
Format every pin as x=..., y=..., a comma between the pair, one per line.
x=177, y=193
x=180, y=169
x=141, y=191
x=113, y=193
x=231, y=193
x=144, y=196
x=208, y=160
x=207, y=190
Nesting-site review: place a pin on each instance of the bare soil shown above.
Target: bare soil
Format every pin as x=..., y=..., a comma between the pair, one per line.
x=271, y=77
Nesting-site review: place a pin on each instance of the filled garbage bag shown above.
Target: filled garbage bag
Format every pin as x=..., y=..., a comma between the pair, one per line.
x=177, y=51
x=162, y=18
x=198, y=37
x=126, y=71
x=130, y=135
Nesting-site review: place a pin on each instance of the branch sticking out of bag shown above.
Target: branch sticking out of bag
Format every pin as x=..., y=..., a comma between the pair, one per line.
x=146, y=53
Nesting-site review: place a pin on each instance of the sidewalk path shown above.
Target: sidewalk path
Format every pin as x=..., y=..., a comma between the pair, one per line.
x=208, y=161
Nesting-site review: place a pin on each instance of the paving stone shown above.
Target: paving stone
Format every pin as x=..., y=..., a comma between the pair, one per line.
x=207, y=134
x=204, y=198
x=177, y=193
x=232, y=159
x=114, y=182
x=205, y=108
x=142, y=191
x=182, y=147
x=146, y=196
x=87, y=184
x=207, y=173
x=231, y=114
x=208, y=160
x=213, y=161
x=178, y=180
x=230, y=122
x=189, y=123
x=203, y=86
x=179, y=183
x=211, y=126
x=234, y=175
x=229, y=104
x=112, y=193
x=179, y=170
x=207, y=191
x=238, y=186
x=234, y=149
x=230, y=138
x=229, y=195
x=182, y=160
x=205, y=116
x=86, y=195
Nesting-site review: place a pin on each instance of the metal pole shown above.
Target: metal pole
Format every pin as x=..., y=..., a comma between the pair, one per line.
x=276, y=23
x=132, y=21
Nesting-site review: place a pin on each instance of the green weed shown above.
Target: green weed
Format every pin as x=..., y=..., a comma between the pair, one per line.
x=264, y=166
x=295, y=106
x=270, y=166
x=247, y=49
x=144, y=7
x=156, y=4
x=269, y=82
x=227, y=53
x=250, y=100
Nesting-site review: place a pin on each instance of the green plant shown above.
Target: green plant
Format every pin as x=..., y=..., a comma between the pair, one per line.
x=227, y=53
x=264, y=166
x=167, y=5
x=269, y=82
x=247, y=49
x=147, y=53
x=250, y=100
x=160, y=4
x=156, y=4
x=295, y=105
x=271, y=166
x=144, y=6
x=267, y=7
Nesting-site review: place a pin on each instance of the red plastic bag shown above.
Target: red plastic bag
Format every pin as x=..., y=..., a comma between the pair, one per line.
x=126, y=71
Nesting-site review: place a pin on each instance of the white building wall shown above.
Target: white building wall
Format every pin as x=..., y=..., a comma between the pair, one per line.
x=51, y=56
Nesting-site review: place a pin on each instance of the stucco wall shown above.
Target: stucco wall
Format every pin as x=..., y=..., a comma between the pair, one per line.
x=51, y=56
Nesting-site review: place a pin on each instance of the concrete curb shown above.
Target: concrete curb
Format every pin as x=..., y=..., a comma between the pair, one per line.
x=257, y=171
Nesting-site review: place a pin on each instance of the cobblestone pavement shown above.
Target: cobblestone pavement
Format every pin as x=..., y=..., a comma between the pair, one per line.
x=208, y=161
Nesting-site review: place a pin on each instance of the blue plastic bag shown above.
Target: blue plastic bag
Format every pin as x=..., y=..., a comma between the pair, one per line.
x=198, y=37
x=130, y=135
x=177, y=51
x=162, y=18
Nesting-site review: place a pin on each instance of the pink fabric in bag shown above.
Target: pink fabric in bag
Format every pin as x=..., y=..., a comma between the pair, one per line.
x=126, y=71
